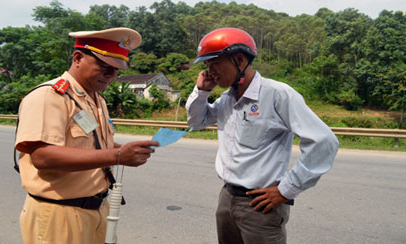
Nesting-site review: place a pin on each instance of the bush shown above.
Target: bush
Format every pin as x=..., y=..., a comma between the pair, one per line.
x=361, y=122
x=172, y=62
x=12, y=93
x=145, y=63
x=349, y=99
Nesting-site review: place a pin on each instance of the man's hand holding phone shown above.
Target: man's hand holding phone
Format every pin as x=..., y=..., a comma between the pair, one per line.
x=205, y=81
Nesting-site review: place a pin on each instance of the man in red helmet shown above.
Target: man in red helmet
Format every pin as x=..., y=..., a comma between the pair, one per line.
x=257, y=120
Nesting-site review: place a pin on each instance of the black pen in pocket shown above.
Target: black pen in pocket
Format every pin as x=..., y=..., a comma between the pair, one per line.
x=245, y=116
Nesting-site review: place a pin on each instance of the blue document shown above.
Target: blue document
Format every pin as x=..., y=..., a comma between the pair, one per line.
x=167, y=136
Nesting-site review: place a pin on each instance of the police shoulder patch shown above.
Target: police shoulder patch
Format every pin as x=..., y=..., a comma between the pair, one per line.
x=61, y=86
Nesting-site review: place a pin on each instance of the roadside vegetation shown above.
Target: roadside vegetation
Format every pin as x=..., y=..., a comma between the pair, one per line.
x=350, y=68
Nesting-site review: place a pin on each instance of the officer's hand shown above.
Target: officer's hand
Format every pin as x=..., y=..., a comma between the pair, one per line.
x=205, y=81
x=268, y=198
x=136, y=153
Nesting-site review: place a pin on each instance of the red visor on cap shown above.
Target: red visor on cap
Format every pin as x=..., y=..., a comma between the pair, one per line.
x=104, y=47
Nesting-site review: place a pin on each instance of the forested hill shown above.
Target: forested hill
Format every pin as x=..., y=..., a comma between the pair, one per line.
x=344, y=57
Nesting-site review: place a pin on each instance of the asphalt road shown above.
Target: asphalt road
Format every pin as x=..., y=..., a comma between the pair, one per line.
x=172, y=198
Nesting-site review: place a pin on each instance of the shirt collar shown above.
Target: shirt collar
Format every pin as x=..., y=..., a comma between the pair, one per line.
x=79, y=91
x=252, y=91
x=76, y=87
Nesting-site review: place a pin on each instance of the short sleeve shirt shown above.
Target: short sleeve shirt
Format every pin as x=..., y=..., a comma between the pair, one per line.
x=47, y=116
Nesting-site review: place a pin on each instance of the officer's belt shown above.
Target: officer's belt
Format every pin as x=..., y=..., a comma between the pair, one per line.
x=93, y=202
x=240, y=191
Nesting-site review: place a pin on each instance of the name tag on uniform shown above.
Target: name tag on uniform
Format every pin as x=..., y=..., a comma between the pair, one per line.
x=85, y=121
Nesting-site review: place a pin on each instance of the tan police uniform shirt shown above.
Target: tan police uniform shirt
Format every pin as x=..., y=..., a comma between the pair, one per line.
x=46, y=116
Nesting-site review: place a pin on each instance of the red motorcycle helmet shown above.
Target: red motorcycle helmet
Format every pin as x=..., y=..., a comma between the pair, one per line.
x=225, y=41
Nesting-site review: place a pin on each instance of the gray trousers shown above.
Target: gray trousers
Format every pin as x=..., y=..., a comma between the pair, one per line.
x=239, y=223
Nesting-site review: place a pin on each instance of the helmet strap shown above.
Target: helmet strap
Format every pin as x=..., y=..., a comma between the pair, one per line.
x=241, y=75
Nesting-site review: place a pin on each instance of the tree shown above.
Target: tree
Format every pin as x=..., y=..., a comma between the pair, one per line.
x=59, y=22
x=12, y=93
x=327, y=77
x=111, y=15
x=145, y=63
x=160, y=101
x=393, y=90
x=172, y=62
x=145, y=23
x=161, y=30
x=14, y=52
x=196, y=26
x=386, y=54
x=323, y=13
x=346, y=32
x=155, y=93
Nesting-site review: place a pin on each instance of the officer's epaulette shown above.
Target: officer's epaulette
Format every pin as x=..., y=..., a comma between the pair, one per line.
x=61, y=86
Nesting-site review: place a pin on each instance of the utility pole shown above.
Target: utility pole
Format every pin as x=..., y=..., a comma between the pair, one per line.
x=177, y=109
x=402, y=111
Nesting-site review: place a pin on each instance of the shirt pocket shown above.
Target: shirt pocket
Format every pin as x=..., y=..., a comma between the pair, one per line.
x=79, y=139
x=252, y=133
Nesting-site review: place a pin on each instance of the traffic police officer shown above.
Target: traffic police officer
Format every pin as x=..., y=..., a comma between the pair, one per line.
x=66, y=144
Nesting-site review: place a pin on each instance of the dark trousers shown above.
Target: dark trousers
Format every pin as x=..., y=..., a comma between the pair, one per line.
x=239, y=223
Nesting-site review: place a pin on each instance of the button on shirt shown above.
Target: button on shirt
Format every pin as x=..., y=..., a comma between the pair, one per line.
x=46, y=116
x=256, y=133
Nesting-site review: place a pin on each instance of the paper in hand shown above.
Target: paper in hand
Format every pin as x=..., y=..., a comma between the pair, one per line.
x=167, y=136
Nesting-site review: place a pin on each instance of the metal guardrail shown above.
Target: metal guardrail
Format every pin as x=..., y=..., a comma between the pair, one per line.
x=8, y=116
x=387, y=133
x=155, y=123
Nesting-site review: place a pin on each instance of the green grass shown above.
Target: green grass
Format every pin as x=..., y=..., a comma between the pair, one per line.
x=203, y=134
x=145, y=130
x=372, y=143
x=136, y=130
x=8, y=122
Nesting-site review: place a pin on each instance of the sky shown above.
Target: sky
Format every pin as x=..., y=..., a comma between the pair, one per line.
x=17, y=13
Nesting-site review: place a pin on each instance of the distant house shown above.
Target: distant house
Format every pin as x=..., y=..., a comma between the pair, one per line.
x=140, y=84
